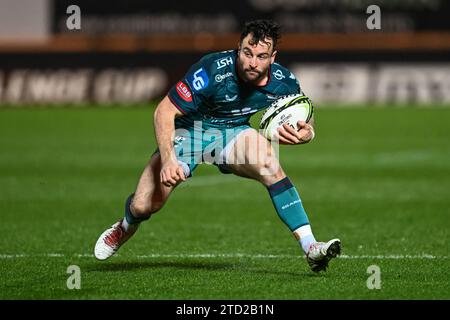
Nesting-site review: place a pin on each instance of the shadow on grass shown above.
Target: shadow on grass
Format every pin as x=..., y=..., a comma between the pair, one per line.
x=289, y=275
x=199, y=266
x=137, y=265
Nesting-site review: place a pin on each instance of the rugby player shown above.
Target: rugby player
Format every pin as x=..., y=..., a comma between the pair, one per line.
x=205, y=117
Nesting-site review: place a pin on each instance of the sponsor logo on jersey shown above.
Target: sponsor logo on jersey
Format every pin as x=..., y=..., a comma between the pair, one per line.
x=278, y=74
x=199, y=80
x=178, y=141
x=243, y=111
x=220, y=77
x=184, y=92
x=221, y=63
x=228, y=98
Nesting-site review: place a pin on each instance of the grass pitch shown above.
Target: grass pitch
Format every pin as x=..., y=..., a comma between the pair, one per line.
x=378, y=179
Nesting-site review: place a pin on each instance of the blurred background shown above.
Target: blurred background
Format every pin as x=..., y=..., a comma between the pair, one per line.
x=76, y=103
x=131, y=52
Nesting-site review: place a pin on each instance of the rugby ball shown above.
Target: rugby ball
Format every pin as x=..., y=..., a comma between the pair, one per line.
x=287, y=109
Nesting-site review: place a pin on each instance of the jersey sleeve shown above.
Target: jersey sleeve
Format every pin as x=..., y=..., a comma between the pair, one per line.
x=284, y=80
x=188, y=93
x=295, y=84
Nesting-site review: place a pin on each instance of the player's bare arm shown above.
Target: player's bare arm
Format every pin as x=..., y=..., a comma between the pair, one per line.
x=304, y=133
x=164, y=117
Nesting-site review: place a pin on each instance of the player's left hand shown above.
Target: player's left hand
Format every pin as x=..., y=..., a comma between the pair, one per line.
x=288, y=135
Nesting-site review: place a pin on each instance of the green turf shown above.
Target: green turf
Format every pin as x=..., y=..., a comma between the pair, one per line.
x=376, y=178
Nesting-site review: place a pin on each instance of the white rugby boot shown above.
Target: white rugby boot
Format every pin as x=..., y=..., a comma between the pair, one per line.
x=110, y=241
x=320, y=253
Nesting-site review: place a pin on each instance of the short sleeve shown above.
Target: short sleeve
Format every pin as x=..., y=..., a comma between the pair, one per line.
x=295, y=84
x=187, y=93
x=181, y=96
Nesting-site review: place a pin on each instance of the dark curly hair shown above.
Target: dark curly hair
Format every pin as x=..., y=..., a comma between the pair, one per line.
x=261, y=29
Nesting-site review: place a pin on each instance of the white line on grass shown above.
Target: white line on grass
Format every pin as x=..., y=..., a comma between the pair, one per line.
x=281, y=256
x=227, y=255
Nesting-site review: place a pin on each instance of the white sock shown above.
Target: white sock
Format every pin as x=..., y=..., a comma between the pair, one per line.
x=305, y=237
x=128, y=227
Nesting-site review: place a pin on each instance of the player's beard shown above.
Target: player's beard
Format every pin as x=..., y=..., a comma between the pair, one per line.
x=254, y=75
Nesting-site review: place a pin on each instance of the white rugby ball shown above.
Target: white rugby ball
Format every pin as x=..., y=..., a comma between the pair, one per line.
x=288, y=109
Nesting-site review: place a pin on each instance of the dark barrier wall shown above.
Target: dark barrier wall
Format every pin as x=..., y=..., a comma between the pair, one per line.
x=126, y=78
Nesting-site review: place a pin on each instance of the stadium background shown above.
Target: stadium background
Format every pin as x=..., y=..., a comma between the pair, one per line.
x=376, y=176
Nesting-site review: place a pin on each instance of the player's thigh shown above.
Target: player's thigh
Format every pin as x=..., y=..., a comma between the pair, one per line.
x=150, y=193
x=253, y=156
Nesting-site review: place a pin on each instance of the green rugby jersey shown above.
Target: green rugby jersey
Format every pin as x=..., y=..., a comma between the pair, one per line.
x=212, y=92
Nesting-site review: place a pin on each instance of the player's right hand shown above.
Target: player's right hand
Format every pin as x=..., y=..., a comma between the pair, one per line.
x=172, y=174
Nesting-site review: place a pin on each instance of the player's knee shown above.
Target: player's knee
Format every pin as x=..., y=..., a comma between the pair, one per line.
x=144, y=210
x=270, y=171
x=270, y=167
